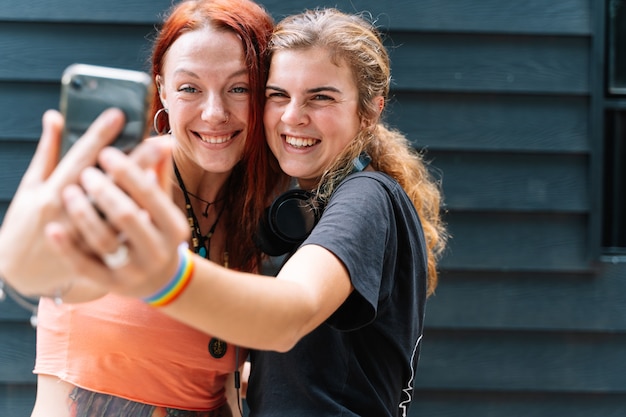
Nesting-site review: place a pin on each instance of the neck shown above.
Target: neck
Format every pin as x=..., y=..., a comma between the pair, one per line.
x=200, y=182
x=200, y=238
x=307, y=183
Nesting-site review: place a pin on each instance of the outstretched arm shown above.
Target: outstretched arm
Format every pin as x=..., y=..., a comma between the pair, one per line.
x=246, y=309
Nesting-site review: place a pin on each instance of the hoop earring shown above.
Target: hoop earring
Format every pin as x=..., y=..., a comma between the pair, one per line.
x=156, y=117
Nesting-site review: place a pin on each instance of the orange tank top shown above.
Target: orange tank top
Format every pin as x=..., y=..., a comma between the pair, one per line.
x=120, y=346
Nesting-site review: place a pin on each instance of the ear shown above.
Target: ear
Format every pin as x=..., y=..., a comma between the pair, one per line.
x=379, y=106
x=161, y=90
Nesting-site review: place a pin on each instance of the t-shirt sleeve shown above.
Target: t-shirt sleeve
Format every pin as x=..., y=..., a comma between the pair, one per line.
x=355, y=226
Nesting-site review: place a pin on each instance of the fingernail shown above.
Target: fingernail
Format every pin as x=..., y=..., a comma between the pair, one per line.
x=115, y=111
x=112, y=116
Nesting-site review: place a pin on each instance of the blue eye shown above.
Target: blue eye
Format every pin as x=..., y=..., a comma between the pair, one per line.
x=187, y=89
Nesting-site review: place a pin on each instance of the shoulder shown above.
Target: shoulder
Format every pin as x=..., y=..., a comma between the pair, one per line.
x=371, y=177
x=380, y=197
x=371, y=181
x=364, y=203
x=372, y=187
x=364, y=193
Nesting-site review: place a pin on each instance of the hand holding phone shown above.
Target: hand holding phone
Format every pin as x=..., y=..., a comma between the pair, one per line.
x=88, y=90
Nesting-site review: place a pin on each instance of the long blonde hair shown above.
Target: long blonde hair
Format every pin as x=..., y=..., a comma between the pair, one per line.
x=353, y=40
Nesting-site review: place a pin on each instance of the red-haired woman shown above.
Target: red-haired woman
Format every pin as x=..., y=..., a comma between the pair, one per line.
x=116, y=356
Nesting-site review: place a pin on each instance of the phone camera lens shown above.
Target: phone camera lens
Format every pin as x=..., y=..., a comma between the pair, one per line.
x=76, y=84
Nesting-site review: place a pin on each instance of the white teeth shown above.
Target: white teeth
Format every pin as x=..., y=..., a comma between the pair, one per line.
x=215, y=139
x=300, y=142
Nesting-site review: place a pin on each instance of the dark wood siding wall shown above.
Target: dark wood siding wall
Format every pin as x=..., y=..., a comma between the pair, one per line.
x=501, y=95
x=525, y=322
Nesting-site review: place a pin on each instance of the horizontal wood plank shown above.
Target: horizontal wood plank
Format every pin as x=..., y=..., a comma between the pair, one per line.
x=473, y=403
x=523, y=361
x=40, y=52
x=500, y=241
x=17, y=353
x=492, y=122
x=569, y=17
x=25, y=103
x=118, y=11
x=527, y=182
x=593, y=302
x=17, y=399
x=481, y=63
x=18, y=311
x=513, y=16
x=14, y=160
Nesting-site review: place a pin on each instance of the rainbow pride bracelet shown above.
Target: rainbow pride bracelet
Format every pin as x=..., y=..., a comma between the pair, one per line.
x=178, y=283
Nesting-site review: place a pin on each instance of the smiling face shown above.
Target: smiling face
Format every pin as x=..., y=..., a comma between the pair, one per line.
x=311, y=111
x=204, y=86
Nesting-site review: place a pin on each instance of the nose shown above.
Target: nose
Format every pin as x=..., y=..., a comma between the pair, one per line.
x=294, y=113
x=214, y=109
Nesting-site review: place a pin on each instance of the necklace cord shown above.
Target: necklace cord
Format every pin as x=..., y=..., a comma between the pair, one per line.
x=205, y=213
x=198, y=241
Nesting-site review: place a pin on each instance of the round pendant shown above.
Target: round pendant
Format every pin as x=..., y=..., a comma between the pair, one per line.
x=202, y=252
x=217, y=348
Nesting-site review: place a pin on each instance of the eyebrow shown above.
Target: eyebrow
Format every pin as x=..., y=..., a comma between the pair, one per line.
x=243, y=71
x=310, y=91
x=184, y=71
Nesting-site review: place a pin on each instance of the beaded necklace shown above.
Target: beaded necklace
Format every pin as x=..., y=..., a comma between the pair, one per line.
x=201, y=243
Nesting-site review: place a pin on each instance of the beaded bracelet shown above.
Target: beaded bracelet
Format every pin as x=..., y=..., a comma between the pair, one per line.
x=178, y=283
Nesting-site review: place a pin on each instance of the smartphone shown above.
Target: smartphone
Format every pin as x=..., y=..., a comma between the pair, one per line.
x=88, y=90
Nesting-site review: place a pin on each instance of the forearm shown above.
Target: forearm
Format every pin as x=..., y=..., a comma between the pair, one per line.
x=245, y=309
x=31, y=277
x=72, y=290
x=35, y=278
x=264, y=312
x=81, y=291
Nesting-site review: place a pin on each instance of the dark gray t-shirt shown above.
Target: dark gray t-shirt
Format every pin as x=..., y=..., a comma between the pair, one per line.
x=362, y=360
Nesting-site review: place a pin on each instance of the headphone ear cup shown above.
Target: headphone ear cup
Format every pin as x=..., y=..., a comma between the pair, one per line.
x=287, y=222
x=268, y=241
x=291, y=217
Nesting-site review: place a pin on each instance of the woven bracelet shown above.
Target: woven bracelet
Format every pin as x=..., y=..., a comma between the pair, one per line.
x=178, y=283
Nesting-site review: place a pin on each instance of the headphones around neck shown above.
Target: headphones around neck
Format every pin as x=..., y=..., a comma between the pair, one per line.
x=292, y=216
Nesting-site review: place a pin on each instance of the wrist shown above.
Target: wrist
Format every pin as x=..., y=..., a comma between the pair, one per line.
x=178, y=283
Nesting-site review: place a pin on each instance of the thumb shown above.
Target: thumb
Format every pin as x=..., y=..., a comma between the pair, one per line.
x=156, y=154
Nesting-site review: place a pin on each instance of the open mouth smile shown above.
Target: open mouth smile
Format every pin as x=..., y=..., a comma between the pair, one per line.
x=215, y=140
x=300, y=142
